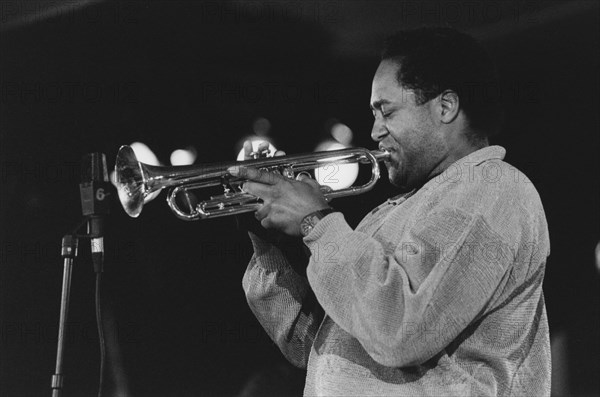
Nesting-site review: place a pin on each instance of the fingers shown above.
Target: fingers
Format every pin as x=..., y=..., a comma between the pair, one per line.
x=262, y=216
x=266, y=223
x=261, y=151
x=256, y=175
x=265, y=216
x=263, y=191
x=261, y=213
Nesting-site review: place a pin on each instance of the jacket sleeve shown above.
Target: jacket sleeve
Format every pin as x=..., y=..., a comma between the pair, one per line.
x=282, y=300
x=399, y=318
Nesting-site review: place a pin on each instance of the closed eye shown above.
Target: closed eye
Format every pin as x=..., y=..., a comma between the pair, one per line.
x=384, y=115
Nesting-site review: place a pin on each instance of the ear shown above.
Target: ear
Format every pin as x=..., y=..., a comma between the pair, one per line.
x=449, y=106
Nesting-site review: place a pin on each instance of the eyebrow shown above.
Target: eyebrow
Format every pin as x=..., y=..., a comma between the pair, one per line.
x=377, y=104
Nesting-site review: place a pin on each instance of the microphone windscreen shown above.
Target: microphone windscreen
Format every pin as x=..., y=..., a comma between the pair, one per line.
x=93, y=168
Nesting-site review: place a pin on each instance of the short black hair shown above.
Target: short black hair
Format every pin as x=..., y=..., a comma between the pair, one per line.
x=435, y=59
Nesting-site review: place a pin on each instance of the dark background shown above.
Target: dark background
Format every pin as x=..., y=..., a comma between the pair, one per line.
x=83, y=76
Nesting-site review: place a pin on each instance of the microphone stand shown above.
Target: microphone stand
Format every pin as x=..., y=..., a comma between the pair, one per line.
x=94, y=194
x=69, y=250
x=68, y=253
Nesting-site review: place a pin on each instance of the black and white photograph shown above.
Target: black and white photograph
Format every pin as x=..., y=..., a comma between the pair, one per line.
x=261, y=198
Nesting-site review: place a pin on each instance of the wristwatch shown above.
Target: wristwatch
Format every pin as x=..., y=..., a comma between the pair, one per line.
x=309, y=221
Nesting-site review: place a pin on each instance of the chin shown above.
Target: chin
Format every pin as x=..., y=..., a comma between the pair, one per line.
x=396, y=181
x=399, y=182
x=401, y=188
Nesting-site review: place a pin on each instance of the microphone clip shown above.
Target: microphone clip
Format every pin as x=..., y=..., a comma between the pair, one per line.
x=94, y=188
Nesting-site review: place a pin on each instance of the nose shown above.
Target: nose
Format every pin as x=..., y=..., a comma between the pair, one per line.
x=379, y=131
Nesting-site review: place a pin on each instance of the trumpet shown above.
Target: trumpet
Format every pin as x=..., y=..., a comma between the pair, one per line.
x=136, y=181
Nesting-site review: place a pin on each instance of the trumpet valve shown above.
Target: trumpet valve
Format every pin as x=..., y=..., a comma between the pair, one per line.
x=288, y=172
x=303, y=173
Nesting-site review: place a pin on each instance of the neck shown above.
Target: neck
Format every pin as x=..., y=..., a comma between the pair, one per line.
x=462, y=146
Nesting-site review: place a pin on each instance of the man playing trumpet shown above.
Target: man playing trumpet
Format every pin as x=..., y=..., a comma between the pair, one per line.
x=438, y=291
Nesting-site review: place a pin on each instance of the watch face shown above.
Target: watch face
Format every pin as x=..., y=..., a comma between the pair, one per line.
x=305, y=229
x=307, y=224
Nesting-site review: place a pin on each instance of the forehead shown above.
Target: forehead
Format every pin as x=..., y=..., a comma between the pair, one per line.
x=385, y=88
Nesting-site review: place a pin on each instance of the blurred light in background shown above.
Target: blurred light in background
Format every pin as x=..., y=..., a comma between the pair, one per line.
x=144, y=154
x=261, y=126
x=342, y=133
x=183, y=156
x=598, y=257
x=256, y=141
x=336, y=176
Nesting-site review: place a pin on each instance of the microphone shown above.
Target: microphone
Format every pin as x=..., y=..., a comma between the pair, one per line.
x=95, y=191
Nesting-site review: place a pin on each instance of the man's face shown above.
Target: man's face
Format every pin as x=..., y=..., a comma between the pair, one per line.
x=409, y=131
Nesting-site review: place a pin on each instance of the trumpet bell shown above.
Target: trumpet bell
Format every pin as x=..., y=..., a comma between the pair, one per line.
x=130, y=181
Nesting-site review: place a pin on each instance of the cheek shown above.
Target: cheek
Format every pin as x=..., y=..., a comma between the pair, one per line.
x=408, y=140
x=404, y=129
x=398, y=133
